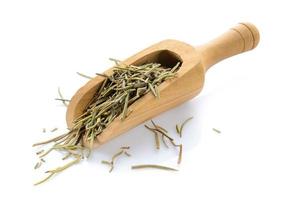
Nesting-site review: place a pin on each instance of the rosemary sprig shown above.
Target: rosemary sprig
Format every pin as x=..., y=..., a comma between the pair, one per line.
x=127, y=154
x=157, y=140
x=158, y=127
x=59, y=169
x=54, y=129
x=164, y=141
x=37, y=165
x=106, y=162
x=67, y=156
x=180, y=146
x=180, y=153
x=123, y=150
x=40, y=152
x=61, y=97
x=216, y=130
x=153, y=166
x=53, y=139
x=83, y=75
x=179, y=129
x=45, y=179
x=160, y=130
x=125, y=147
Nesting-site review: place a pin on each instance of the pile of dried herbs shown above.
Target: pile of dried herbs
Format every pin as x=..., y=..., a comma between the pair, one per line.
x=118, y=91
x=126, y=85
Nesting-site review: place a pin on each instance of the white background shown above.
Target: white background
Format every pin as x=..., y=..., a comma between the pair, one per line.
x=44, y=43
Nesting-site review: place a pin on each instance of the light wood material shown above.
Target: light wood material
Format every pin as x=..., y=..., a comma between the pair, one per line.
x=241, y=38
x=190, y=80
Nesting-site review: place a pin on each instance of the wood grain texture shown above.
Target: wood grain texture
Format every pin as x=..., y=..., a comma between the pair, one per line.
x=189, y=82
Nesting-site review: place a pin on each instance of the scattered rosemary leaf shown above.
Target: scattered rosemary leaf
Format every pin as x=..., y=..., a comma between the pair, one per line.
x=59, y=169
x=180, y=146
x=83, y=75
x=164, y=141
x=117, y=62
x=111, y=168
x=116, y=155
x=157, y=140
x=125, y=147
x=53, y=130
x=106, y=162
x=127, y=154
x=44, y=130
x=111, y=163
x=180, y=129
x=38, y=164
x=61, y=97
x=159, y=130
x=216, y=130
x=180, y=154
x=42, y=160
x=158, y=127
x=45, y=179
x=165, y=135
x=46, y=153
x=40, y=152
x=153, y=166
x=184, y=123
x=53, y=139
x=67, y=156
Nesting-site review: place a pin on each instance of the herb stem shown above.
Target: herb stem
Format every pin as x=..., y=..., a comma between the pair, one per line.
x=83, y=75
x=180, y=128
x=153, y=166
x=52, y=140
x=61, y=97
x=216, y=130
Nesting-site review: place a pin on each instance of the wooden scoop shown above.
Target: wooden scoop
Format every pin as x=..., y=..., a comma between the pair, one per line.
x=189, y=82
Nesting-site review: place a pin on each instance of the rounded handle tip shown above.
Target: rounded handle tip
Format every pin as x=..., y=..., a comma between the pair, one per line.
x=241, y=38
x=249, y=34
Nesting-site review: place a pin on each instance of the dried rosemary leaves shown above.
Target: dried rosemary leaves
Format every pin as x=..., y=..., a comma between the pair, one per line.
x=118, y=91
x=158, y=130
x=123, y=150
x=64, y=101
x=59, y=169
x=179, y=128
x=216, y=130
x=153, y=166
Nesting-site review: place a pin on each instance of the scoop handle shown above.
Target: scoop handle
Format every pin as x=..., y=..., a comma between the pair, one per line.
x=239, y=39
